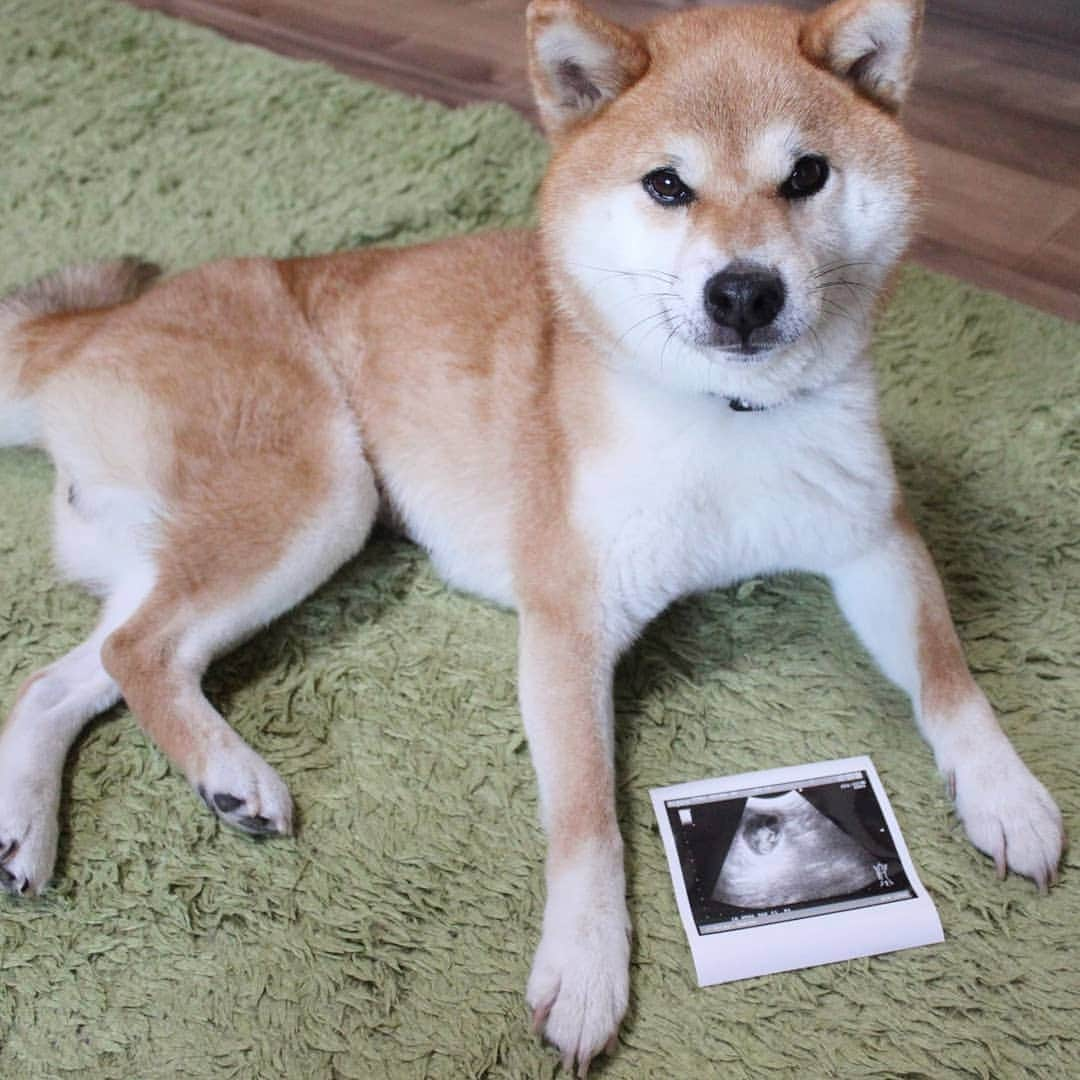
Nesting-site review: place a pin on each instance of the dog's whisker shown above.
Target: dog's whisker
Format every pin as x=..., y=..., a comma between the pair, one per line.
x=667, y=342
x=658, y=275
x=641, y=322
x=844, y=282
x=832, y=268
x=836, y=308
x=853, y=289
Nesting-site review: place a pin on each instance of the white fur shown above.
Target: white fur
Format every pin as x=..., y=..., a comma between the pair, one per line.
x=469, y=541
x=579, y=984
x=693, y=495
x=1007, y=813
x=101, y=531
x=20, y=424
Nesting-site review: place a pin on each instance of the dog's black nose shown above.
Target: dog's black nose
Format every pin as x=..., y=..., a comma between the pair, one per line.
x=744, y=297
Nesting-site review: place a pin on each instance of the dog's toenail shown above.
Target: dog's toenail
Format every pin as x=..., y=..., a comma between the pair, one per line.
x=227, y=803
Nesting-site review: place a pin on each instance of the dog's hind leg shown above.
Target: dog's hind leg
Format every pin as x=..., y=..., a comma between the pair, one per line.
x=99, y=535
x=244, y=548
x=50, y=711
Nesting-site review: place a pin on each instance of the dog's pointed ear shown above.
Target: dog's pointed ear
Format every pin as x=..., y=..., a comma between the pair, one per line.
x=578, y=62
x=871, y=43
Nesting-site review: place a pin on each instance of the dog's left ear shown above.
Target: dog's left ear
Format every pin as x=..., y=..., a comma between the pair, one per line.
x=578, y=62
x=871, y=43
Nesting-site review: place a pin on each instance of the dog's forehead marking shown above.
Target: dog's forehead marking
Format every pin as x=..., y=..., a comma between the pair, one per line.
x=688, y=156
x=771, y=154
x=765, y=158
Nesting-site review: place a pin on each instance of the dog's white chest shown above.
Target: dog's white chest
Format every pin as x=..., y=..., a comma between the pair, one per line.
x=691, y=495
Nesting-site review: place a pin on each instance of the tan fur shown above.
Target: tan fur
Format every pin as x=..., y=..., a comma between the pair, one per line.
x=946, y=682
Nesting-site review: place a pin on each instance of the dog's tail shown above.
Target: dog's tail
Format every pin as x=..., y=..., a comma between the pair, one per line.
x=76, y=288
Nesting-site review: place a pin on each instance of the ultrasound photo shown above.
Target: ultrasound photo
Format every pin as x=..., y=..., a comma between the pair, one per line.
x=779, y=853
x=791, y=867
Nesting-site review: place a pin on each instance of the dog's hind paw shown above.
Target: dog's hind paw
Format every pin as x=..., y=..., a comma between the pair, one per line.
x=246, y=793
x=27, y=852
x=1008, y=814
x=579, y=985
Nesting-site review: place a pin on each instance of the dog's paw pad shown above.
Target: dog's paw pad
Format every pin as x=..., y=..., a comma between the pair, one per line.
x=13, y=885
x=257, y=825
x=28, y=834
x=229, y=808
x=11, y=881
x=227, y=803
x=233, y=813
x=247, y=794
x=25, y=865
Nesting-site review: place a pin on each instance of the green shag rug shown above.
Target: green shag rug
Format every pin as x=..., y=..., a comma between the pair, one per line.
x=393, y=936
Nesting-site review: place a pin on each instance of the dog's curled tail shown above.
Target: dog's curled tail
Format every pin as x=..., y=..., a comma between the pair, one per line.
x=75, y=288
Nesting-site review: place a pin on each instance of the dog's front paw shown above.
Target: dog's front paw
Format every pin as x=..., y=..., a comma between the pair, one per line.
x=245, y=792
x=1007, y=813
x=579, y=985
x=28, y=835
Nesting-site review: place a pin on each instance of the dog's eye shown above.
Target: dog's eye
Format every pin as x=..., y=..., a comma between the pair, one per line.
x=807, y=178
x=665, y=186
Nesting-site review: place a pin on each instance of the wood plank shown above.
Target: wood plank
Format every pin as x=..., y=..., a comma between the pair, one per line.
x=993, y=211
x=1057, y=262
x=1047, y=20
x=999, y=84
x=1015, y=282
x=966, y=120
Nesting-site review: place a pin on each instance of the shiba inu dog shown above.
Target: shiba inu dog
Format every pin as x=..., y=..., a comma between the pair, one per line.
x=663, y=389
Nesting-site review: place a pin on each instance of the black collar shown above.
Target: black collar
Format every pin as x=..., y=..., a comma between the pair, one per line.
x=738, y=404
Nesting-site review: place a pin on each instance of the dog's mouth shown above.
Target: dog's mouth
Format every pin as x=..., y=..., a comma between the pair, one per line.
x=748, y=352
x=753, y=347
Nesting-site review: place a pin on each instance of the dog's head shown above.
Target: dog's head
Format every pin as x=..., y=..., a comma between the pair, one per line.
x=729, y=189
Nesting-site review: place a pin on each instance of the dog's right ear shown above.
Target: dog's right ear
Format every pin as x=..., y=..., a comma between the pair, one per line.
x=578, y=62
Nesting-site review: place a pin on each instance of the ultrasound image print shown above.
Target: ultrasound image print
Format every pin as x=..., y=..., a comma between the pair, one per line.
x=774, y=854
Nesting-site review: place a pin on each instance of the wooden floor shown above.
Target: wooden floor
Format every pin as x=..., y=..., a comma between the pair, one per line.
x=996, y=109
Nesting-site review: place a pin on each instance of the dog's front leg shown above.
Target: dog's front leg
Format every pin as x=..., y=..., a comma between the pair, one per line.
x=894, y=599
x=579, y=984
